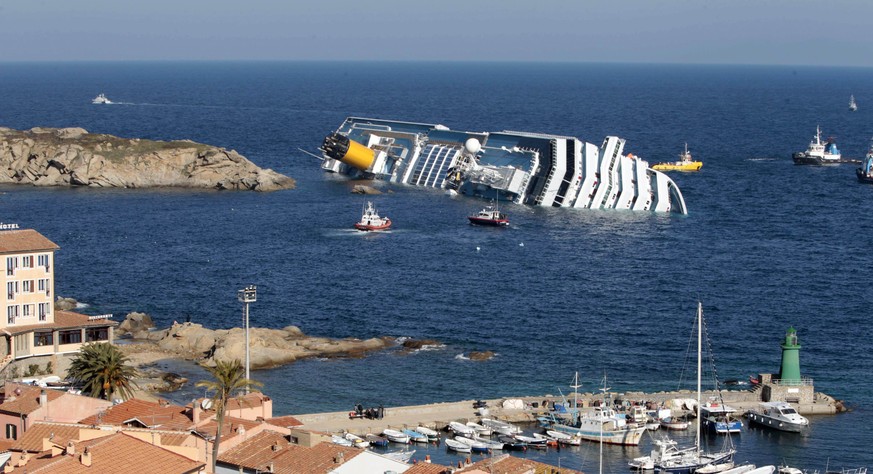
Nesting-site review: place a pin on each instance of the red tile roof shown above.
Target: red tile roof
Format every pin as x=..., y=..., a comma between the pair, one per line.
x=24, y=240
x=118, y=454
x=136, y=412
x=58, y=433
x=63, y=320
x=252, y=400
x=229, y=428
x=284, y=421
x=27, y=400
x=257, y=452
x=428, y=468
x=321, y=458
x=507, y=464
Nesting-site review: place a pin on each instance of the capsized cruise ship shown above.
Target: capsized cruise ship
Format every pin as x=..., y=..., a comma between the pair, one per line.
x=526, y=168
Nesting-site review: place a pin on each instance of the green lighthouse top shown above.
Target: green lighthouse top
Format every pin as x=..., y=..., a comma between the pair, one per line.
x=791, y=341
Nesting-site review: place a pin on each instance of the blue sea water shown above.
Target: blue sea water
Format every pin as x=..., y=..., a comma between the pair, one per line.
x=766, y=244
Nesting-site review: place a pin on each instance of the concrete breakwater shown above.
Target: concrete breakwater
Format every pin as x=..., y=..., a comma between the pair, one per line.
x=438, y=415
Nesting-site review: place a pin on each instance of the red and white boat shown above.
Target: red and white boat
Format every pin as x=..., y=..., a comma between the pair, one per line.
x=370, y=220
x=490, y=216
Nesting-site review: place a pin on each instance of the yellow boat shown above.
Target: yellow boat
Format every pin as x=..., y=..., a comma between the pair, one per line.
x=685, y=163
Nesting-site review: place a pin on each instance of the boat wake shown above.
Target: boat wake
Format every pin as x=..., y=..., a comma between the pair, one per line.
x=762, y=159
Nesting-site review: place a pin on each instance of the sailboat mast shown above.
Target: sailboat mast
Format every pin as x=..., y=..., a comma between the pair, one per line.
x=699, y=349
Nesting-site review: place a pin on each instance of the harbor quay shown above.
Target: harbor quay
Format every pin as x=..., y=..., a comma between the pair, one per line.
x=526, y=409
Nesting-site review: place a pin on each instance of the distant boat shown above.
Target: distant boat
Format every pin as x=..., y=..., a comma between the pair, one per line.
x=415, y=436
x=370, y=220
x=101, y=99
x=357, y=440
x=685, y=163
x=376, y=440
x=778, y=416
x=818, y=153
x=490, y=216
x=431, y=434
x=852, y=105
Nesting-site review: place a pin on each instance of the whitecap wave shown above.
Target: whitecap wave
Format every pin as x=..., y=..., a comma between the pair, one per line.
x=80, y=305
x=461, y=357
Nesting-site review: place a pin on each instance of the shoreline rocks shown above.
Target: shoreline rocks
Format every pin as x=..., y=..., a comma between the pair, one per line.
x=268, y=347
x=74, y=157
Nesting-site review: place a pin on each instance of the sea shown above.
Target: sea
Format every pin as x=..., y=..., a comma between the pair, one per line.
x=766, y=245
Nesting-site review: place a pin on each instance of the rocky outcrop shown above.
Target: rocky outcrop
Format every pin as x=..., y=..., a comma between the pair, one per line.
x=481, y=355
x=135, y=325
x=364, y=189
x=74, y=157
x=268, y=347
x=65, y=304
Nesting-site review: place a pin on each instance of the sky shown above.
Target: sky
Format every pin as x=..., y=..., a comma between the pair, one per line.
x=777, y=32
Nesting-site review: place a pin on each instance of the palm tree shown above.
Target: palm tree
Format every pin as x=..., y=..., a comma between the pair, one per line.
x=102, y=370
x=229, y=379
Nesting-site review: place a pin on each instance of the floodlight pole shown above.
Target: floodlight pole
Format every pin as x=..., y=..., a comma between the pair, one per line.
x=247, y=295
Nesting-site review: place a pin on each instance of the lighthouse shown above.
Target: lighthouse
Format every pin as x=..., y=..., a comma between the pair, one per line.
x=790, y=372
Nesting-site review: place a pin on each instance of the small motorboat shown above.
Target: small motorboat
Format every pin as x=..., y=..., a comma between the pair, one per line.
x=357, y=441
x=432, y=435
x=415, y=436
x=490, y=216
x=549, y=440
x=396, y=436
x=492, y=445
x=719, y=419
x=853, y=106
x=479, y=429
x=674, y=423
x=337, y=439
x=376, y=440
x=778, y=416
x=512, y=444
x=500, y=427
x=371, y=221
x=461, y=429
x=458, y=446
x=475, y=446
x=564, y=438
x=101, y=99
x=685, y=163
x=533, y=441
x=400, y=456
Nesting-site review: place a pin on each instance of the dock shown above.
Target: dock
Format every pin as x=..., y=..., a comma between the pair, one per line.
x=438, y=415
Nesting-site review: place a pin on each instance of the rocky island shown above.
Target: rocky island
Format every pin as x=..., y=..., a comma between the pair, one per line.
x=74, y=157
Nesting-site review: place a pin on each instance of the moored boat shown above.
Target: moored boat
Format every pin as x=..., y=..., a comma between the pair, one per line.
x=460, y=429
x=492, y=445
x=396, y=436
x=431, y=434
x=371, y=221
x=686, y=163
x=376, y=440
x=480, y=429
x=415, y=436
x=457, y=446
x=674, y=423
x=818, y=152
x=475, y=446
x=778, y=416
x=500, y=427
x=400, y=456
x=340, y=440
x=357, y=441
x=564, y=438
x=719, y=418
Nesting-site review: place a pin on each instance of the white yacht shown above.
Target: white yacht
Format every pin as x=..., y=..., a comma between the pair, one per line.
x=779, y=416
x=101, y=99
x=523, y=167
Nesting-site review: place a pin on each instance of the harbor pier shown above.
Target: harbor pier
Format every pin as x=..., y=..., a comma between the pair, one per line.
x=438, y=415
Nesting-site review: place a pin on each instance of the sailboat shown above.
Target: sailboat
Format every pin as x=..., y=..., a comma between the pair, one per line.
x=695, y=460
x=852, y=105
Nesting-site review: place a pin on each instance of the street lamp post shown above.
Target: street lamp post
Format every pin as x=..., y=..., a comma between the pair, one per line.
x=247, y=295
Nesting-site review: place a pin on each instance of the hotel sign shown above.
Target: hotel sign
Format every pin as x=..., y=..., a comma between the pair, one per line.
x=5, y=226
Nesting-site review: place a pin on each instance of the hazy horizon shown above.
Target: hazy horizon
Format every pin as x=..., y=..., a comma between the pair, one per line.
x=742, y=32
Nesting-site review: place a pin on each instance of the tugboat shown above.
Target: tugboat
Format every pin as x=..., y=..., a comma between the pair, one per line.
x=685, y=163
x=490, y=216
x=818, y=153
x=853, y=107
x=101, y=99
x=865, y=172
x=370, y=220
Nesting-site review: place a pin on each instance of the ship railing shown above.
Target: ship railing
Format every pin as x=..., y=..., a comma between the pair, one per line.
x=804, y=381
